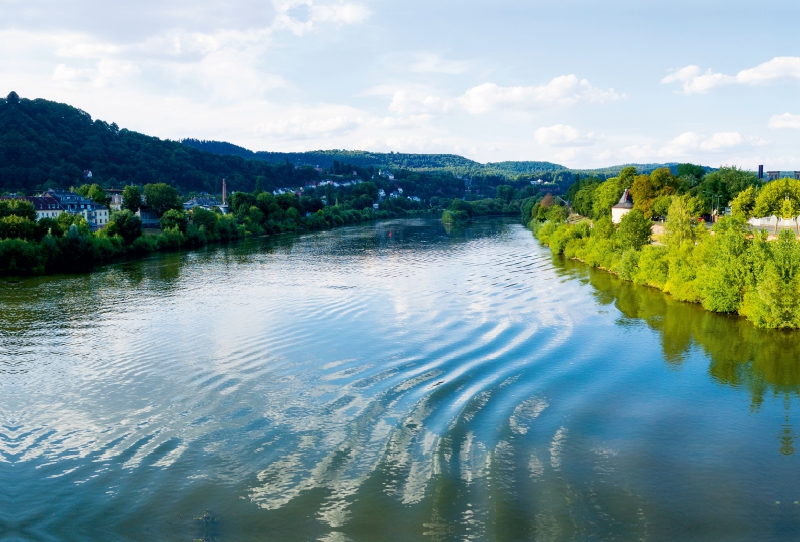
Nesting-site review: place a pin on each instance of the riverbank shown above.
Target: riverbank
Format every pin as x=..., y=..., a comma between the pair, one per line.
x=729, y=269
x=76, y=249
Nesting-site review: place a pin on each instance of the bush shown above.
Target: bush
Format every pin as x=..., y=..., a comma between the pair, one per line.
x=19, y=257
x=125, y=224
x=634, y=231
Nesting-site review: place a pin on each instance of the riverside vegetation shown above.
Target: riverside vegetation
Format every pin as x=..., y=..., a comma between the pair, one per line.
x=66, y=244
x=730, y=268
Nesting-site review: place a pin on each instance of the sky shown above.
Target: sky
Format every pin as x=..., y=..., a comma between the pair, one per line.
x=582, y=83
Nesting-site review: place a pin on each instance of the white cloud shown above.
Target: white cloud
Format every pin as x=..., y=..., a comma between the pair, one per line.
x=603, y=156
x=308, y=127
x=684, y=74
x=787, y=120
x=105, y=72
x=565, y=90
x=562, y=135
x=407, y=102
x=127, y=22
x=695, y=82
x=692, y=143
x=340, y=14
x=638, y=152
x=722, y=140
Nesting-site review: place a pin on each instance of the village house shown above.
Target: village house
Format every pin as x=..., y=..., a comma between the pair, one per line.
x=116, y=198
x=46, y=207
x=95, y=214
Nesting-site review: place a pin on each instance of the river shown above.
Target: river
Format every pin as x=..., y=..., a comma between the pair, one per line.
x=390, y=381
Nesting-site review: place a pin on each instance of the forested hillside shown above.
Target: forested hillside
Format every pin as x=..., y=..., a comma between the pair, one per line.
x=47, y=144
x=458, y=165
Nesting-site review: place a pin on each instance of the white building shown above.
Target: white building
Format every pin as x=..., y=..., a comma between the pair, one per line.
x=622, y=208
x=46, y=207
x=94, y=213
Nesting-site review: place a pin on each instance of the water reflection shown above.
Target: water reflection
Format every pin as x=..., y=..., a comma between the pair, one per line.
x=762, y=362
x=394, y=381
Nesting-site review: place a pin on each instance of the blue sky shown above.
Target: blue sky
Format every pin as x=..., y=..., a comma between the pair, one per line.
x=583, y=83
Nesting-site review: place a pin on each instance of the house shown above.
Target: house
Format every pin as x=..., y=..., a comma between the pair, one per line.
x=149, y=217
x=95, y=214
x=46, y=207
x=116, y=198
x=415, y=198
x=622, y=208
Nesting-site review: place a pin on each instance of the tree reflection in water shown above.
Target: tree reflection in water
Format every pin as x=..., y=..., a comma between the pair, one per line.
x=764, y=362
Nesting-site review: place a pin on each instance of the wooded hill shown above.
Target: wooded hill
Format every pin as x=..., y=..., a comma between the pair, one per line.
x=456, y=164
x=45, y=144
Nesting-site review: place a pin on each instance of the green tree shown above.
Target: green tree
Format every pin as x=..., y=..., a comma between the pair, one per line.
x=727, y=183
x=125, y=224
x=695, y=171
x=583, y=200
x=205, y=219
x=131, y=199
x=505, y=192
x=643, y=192
x=369, y=188
x=634, y=230
x=17, y=227
x=241, y=199
x=775, y=302
x=18, y=207
x=722, y=276
x=661, y=205
x=174, y=218
x=94, y=192
x=681, y=221
x=161, y=197
x=743, y=205
x=626, y=177
x=772, y=198
x=607, y=195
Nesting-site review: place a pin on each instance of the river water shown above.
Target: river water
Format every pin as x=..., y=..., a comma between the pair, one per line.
x=391, y=381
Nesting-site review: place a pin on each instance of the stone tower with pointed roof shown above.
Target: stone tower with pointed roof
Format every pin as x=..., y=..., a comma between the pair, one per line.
x=622, y=208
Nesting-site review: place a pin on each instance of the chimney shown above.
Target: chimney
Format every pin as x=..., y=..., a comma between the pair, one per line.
x=761, y=172
x=224, y=192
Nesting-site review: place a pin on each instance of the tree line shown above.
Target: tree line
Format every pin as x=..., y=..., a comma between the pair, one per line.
x=728, y=269
x=67, y=244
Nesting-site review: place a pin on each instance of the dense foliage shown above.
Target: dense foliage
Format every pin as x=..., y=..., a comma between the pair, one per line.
x=508, y=201
x=730, y=269
x=653, y=193
x=46, y=144
x=67, y=244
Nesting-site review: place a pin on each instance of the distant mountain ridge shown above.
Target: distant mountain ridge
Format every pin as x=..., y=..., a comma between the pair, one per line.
x=451, y=162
